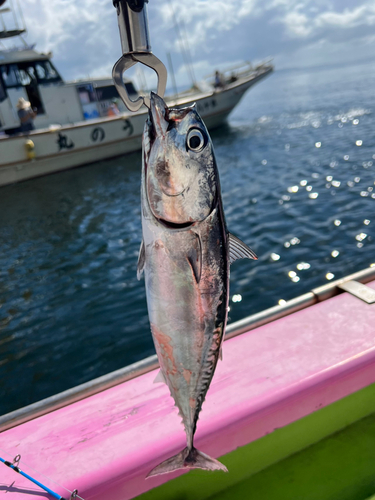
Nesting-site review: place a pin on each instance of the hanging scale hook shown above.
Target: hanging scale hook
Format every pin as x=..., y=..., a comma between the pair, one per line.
x=135, y=43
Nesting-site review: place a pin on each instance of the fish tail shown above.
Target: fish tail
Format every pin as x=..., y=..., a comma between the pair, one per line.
x=188, y=458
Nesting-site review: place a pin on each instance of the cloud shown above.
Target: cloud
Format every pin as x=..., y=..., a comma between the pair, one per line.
x=362, y=15
x=297, y=24
x=201, y=22
x=314, y=22
x=294, y=31
x=80, y=34
x=85, y=40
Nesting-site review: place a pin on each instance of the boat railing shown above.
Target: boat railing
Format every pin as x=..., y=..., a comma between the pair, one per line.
x=10, y=50
x=239, y=71
x=242, y=67
x=120, y=376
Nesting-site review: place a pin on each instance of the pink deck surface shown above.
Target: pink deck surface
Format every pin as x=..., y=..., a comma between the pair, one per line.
x=269, y=377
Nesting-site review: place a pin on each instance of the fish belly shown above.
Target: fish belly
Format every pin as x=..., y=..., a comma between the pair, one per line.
x=187, y=314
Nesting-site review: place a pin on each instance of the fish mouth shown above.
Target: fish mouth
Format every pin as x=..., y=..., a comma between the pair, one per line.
x=173, y=195
x=174, y=225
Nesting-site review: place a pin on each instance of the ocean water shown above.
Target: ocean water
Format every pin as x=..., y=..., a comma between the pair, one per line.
x=297, y=163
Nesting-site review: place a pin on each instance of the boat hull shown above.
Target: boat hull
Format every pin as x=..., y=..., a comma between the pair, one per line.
x=64, y=147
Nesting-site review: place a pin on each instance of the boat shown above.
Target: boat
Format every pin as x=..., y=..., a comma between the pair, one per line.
x=290, y=412
x=72, y=123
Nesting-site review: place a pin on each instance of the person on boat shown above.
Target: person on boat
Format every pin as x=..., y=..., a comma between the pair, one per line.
x=218, y=83
x=233, y=78
x=113, y=109
x=26, y=115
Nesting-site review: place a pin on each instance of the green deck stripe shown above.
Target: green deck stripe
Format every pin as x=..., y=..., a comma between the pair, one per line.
x=341, y=466
x=251, y=475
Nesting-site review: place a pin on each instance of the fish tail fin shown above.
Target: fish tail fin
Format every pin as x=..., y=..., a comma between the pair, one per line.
x=187, y=459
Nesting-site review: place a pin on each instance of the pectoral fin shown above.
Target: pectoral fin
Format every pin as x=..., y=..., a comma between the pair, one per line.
x=141, y=260
x=238, y=249
x=194, y=258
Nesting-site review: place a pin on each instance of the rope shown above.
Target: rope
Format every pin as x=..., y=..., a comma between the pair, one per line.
x=16, y=468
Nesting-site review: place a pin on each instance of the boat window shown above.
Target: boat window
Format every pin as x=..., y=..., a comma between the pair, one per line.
x=40, y=71
x=46, y=73
x=3, y=94
x=24, y=77
x=130, y=88
x=29, y=73
x=86, y=93
x=15, y=76
x=50, y=71
x=109, y=92
x=9, y=73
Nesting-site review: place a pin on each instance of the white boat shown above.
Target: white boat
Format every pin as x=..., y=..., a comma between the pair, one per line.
x=72, y=123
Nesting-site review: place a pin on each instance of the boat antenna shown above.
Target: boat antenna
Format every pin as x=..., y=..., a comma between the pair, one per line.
x=23, y=29
x=172, y=74
x=21, y=16
x=185, y=49
x=14, y=15
x=188, y=52
x=142, y=79
x=2, y=21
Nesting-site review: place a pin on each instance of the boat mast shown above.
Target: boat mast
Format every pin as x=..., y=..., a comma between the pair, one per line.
x=184, y=44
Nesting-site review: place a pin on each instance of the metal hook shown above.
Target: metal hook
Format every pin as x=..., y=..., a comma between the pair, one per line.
x=74, y=495
x=126, y=62
x=135, y=43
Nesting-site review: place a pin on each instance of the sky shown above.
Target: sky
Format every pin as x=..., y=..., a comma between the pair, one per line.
x=84, y=38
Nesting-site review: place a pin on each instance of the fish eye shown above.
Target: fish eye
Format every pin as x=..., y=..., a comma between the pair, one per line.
x=195, y=140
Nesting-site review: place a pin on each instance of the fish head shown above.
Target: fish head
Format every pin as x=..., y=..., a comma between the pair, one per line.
x=181, y=178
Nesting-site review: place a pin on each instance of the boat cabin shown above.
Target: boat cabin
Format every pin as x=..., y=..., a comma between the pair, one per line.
x=29, y=74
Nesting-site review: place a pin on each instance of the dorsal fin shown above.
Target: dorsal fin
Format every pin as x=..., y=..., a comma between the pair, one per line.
x=238, y=249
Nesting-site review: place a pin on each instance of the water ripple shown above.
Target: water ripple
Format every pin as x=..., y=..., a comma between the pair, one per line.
x=297, y=174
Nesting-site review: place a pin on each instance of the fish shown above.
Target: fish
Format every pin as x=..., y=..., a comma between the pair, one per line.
x=185, y=254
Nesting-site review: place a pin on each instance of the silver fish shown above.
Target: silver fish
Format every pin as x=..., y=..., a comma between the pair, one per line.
x=185, y=253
